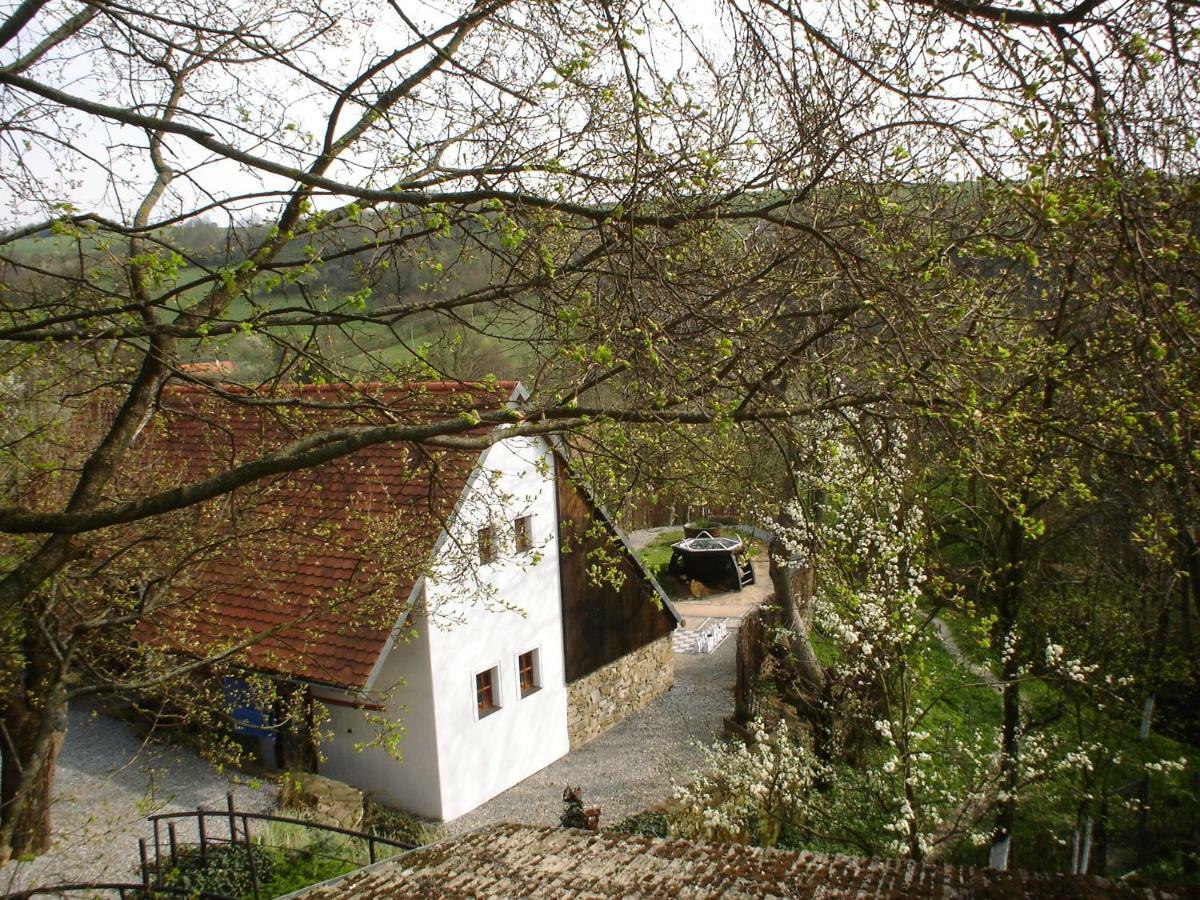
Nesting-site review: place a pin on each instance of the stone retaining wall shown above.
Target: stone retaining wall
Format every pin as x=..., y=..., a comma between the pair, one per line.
x=601, y=699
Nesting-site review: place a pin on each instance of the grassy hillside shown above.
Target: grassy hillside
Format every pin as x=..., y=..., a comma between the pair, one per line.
x=480, y=343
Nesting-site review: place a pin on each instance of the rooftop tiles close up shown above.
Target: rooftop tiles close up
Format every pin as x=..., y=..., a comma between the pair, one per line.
x=532, y=862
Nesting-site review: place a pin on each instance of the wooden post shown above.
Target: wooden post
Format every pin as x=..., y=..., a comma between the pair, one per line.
x=157, y=855
x=371, y=849
x=249, y=853
x=171, y=844
x=232, y=821
x=145, y=864
x=203, y=837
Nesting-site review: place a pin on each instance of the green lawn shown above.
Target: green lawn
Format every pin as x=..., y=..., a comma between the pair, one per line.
x=657, y=553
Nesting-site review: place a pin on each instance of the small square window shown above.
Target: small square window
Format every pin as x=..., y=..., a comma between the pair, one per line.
x=486, y=540
x=487, y=698
x=528, y=675
x=523, y=533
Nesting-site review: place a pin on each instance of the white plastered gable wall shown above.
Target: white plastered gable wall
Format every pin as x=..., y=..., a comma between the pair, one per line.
x=481, y=756
x=478, y=616
x=412, y=783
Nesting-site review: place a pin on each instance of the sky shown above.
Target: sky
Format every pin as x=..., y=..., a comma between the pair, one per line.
x=499, y=102
x=97, y=164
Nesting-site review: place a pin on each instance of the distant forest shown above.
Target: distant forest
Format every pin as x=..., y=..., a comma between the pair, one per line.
x=348, y=267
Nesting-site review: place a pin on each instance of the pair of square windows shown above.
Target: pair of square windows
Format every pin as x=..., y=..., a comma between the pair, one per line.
x=487, y=683
x=522, y=539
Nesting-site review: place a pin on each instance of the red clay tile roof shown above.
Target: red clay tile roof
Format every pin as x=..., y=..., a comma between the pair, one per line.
x=211, y=368
x=525, y=861
x=326, y=556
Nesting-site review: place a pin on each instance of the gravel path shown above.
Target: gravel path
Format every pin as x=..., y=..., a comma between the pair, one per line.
x=983, y=673
x=107, y=783
x=645, y=536
x=633, y=765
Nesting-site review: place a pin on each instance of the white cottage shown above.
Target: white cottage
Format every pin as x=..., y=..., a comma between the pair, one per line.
x=501, y=654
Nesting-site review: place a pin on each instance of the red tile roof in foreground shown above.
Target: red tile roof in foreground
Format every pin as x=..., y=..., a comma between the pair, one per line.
x=322, y=558
x=525, y=861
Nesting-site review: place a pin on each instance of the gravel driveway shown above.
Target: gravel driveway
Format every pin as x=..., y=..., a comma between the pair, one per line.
x=107, y=783
x=633, y=765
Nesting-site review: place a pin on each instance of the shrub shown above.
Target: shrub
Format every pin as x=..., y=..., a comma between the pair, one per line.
x=300, y=858
x=398, y=825
x=747, y=794
x=326, y=856
x=647, y=824
x=225, y=871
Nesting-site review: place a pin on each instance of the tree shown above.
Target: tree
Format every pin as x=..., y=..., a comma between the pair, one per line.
x=663, y=234
x=1032, y=295
x=506, y=166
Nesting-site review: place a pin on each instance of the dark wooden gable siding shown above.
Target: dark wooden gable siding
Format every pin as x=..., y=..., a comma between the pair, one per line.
x=600, y=622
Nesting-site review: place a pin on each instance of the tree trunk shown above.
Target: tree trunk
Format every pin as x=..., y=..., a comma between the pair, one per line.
x=1007, y=609
x=794, y=588
x=296, y=747
x=35, y=726
x=1189, y=596
x=34, y=660
x=751, y=652
x=33, y=700
x=1006, y=805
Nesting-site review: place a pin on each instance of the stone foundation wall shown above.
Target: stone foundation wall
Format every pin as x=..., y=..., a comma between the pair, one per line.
x=601, y=699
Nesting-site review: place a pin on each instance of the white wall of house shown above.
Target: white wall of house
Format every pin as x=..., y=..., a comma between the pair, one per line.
x=515, y=608
x=477, y=616
x=405, y=686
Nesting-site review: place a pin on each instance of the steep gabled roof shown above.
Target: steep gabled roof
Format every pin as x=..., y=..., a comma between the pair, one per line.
x=323, y=560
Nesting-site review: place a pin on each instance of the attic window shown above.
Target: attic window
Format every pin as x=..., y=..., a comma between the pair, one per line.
x=523, y=533
x=487, y=698
x=486, y=539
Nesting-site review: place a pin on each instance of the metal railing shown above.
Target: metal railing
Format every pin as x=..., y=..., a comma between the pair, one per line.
x=126, y=890
x=233, y=830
